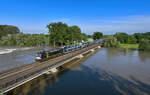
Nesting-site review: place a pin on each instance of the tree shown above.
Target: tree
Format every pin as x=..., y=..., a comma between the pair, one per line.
x=90, y=36
x=97, y=35
x=140, y=36
x=84, y=36
x=122, y=37
x=144, y=44
x=60, y=34
x=57, y=32
x=132, y=40
x=112, y=42
x=8, y=29
x=74, y=33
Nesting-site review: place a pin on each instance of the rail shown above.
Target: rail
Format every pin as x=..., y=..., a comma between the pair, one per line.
x=12, y=78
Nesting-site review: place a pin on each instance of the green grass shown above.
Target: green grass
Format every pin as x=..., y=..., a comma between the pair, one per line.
x=130, y=46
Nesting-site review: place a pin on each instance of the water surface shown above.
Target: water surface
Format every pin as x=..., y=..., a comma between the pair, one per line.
x=14, y=57
x=108, y=72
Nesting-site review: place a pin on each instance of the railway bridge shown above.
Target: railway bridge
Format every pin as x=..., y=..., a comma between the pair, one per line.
x=15, y=77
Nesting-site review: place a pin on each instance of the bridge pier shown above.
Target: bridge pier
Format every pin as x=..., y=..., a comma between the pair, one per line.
x=53, y=70
x=80, y=56
x=48, y=73
x=92, y=50
x=99, y=46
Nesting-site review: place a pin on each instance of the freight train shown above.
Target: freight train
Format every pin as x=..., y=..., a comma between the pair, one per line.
x=46, y=55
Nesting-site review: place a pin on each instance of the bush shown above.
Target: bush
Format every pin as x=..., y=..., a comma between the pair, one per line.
x=144, y=44
x=112, y=42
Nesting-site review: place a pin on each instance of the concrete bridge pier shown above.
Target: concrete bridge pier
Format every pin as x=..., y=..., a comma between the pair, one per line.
x=80, y=56
x=99, y=46
x=48, y=73
x=92, y=50
x=53, y=70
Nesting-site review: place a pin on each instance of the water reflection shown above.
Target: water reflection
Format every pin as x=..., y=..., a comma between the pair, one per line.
x=34, y=87
x=144, y=56
x=117, y=85
x=38, y=85
x=113, y=52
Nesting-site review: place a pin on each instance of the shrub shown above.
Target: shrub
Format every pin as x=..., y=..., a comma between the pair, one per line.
x=144, y=44
x=112, y=42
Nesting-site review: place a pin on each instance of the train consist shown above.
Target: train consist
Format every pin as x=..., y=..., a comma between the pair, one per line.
x=45, y=55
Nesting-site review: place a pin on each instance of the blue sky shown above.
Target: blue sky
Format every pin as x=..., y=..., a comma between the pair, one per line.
x=107, y=16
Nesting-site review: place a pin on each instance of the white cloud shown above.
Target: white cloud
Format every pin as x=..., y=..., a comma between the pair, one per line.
x=130, y=24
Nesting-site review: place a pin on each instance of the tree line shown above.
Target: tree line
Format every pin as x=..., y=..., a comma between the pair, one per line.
x=11, y=36
x=24, y=40
x=143, y=39
x=59, y=34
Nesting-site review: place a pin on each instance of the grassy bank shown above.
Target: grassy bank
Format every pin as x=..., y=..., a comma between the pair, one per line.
x=130, y=46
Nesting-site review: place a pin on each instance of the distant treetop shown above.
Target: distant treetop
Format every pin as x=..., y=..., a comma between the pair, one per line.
x=8, y=29
x=97, y=35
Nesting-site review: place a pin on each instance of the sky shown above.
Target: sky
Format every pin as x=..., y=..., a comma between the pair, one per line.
x=107, y=16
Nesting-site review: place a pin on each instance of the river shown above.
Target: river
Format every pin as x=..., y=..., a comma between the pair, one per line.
x=11, y=57
x=107, y=72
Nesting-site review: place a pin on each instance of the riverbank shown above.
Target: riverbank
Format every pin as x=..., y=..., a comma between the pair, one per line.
x=6, y=50
x=129, y=46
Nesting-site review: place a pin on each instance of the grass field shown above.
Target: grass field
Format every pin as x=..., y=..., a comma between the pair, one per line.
x=129, y=46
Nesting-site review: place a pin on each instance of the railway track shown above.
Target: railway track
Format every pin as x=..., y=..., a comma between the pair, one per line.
x=12, y=76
